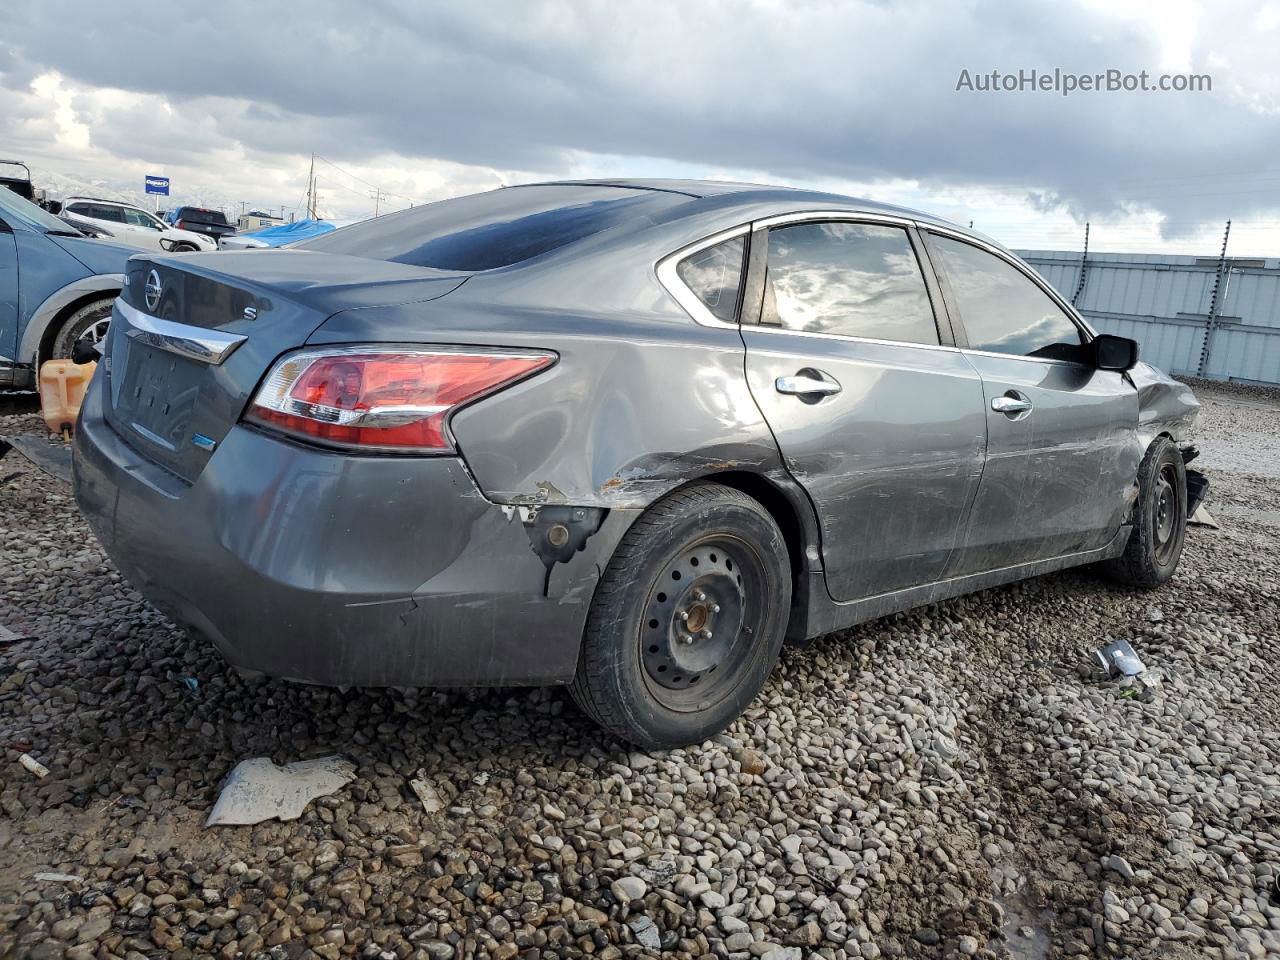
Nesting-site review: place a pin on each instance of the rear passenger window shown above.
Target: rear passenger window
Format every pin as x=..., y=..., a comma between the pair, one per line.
x=714, y=274
x=1002, y=310
x=851, y=279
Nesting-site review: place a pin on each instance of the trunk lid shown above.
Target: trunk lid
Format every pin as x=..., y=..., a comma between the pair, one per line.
x=192, y=336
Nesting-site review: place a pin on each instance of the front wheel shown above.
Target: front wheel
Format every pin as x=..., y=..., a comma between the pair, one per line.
x=88, y=323
x=1160, y=520
x=687, y=620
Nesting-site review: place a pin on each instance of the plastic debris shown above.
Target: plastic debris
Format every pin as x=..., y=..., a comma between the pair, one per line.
x=1118, y=658
x=425, y=792
x=258, y=790
x=1155, y=614
x=191, y=683
x=1203, y=518
x=58, y=878
x=34, y=765
x=7, y=636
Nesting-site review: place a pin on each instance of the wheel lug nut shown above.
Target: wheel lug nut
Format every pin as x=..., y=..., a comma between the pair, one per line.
x=706, y=634
x=684, y=615
x=715, y=608
x=700, y=596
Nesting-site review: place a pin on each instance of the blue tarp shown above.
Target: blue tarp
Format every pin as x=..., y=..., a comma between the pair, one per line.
x=289, y=232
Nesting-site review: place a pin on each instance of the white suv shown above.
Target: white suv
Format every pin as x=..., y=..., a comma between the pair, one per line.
x=130, y=224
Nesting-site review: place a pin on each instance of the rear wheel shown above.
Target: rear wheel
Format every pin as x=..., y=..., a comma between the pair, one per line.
x=1160, y=520
x=88, y=323
x=687, y=619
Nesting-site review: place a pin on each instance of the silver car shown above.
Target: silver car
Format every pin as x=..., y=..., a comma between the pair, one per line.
x=625, y=436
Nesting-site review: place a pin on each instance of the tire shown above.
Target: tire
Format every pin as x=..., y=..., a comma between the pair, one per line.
x=656, y=679
x=1160, y=520
x=87, y=321
x=185, y=248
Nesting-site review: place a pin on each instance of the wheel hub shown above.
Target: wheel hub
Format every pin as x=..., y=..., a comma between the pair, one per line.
x=694, y=618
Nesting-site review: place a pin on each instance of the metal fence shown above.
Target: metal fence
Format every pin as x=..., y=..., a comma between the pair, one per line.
x=1201, y=316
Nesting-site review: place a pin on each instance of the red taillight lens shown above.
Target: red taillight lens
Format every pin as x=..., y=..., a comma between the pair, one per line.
x=181, y=225
x=383, y=398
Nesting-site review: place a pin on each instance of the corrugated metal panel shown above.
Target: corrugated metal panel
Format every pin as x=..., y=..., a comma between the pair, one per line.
x=1245, y=355
x=1173, y=347
x=1163, y=302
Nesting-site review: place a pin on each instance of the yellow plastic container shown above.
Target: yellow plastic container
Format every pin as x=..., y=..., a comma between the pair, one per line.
x=62, y=387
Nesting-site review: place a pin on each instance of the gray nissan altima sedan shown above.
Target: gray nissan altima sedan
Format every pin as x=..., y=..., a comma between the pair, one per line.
x=628, y=436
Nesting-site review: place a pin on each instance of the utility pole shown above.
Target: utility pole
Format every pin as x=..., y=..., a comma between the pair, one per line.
x=377, y=200
x=311, y=189
x=1084, y=266
x=1215, y=303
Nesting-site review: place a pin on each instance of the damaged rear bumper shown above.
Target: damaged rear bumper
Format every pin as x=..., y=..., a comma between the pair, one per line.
x=334, y=569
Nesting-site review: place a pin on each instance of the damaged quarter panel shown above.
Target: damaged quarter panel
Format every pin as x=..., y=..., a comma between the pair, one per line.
x=640, y=401
x=1164, y=405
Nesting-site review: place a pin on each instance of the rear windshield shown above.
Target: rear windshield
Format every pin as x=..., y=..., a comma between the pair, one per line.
x=495, y=229
x=196, y=215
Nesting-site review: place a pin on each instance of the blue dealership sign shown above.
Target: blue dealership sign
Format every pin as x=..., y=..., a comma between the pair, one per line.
x=158, y=185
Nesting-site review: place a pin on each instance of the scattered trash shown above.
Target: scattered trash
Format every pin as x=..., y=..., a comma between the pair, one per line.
x=1155, y=614
x=1203, y=518
x=481, y=778
x=53, y=458
x=191, y=683
x=7, y=636
x=425, y=792
x=58, y=878
x=1118, y=657
x=258, y=790
x=34, y=765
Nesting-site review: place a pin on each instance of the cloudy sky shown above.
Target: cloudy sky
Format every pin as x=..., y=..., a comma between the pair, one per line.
x=423, y=100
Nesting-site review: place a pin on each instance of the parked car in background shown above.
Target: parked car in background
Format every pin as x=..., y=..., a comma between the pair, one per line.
x=625, y=436
x=131, y=224
x=56, y=287
x=210, y=223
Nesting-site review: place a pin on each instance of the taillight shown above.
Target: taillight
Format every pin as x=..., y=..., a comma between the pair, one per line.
x=395, y=399
x=181, y=225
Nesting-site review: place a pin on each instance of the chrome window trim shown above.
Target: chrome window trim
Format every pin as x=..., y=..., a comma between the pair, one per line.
x=195, y=343
x=1072, y=314
x=846, y=215
x=847, y=338
x=671, y=282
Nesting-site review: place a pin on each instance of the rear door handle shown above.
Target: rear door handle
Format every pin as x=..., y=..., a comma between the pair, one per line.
x=805, y=384
x=1011, y=404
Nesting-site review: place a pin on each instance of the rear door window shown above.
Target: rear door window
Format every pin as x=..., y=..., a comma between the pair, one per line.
x=1002, y=310
x=105, y=211
x=850, y=279
x=714, y=274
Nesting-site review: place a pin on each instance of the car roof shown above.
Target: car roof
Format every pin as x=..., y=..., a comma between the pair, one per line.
x=732, y=193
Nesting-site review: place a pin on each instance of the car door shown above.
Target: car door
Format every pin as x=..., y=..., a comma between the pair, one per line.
x=876, y=414
x=142, y=228
x=1062, y=448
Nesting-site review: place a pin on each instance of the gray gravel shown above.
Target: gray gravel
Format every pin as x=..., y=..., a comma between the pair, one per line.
x=953, y=782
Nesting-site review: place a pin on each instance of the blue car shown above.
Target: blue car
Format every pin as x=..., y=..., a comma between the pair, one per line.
x=56, y=287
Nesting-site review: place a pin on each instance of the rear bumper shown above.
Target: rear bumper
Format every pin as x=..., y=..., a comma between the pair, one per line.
x=334, y=569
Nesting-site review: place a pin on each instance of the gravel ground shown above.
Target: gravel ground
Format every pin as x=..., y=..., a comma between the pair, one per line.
x=953, y=782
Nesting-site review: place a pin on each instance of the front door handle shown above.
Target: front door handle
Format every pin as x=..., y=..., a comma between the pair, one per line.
x=805, y=383
x=1012, y=404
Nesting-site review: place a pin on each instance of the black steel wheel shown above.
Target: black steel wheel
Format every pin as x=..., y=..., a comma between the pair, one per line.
x=1159, y=520
x=687, y=620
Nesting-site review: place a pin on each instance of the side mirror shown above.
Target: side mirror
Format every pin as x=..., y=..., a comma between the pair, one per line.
x=1114, y=353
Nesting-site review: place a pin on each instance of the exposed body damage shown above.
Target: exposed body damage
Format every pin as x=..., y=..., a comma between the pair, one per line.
x=1164, y=406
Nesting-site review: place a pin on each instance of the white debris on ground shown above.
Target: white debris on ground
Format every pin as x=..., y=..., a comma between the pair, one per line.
x=257, y=790
x=959, y=781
